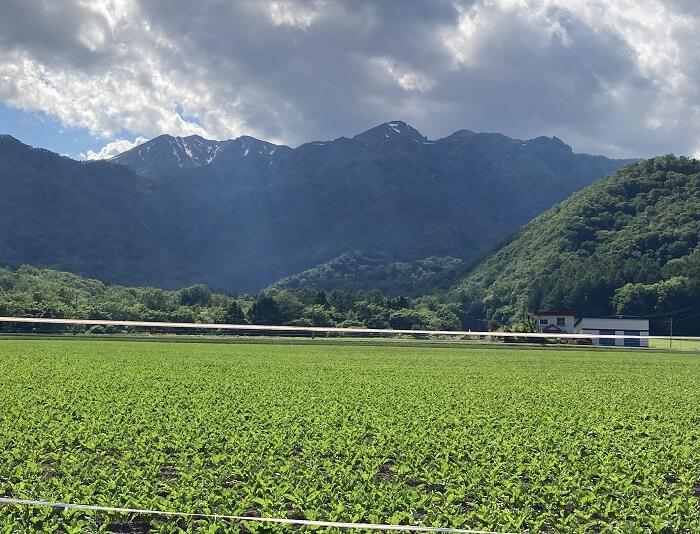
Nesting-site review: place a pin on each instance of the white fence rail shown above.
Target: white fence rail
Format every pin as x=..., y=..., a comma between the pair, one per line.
x=325, y=329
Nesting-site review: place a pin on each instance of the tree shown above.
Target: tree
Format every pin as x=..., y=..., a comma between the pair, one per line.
x=234, y=313
x=469, y=305
x=664, y=297
x=443, y=318
x=155, y=299
x=398, y=303
x=372, y=315
x=523, y=321
x=320, y=298
x=352, y=321
x=290, y=306
x=341, y=300
x=634, y=299
x=264, y=311
x=408, y=319
x=318, y=315
x=375, y=297
x=197, y=295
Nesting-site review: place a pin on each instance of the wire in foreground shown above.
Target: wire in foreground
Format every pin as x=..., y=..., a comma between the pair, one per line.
x=223, y=517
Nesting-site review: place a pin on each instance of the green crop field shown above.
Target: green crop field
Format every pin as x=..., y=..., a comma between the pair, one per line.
x=676, y=344
x=486, y=438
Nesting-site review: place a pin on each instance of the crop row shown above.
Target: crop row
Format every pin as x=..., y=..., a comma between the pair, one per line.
x=499, y=439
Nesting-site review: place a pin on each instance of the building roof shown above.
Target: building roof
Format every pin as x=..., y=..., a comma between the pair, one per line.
x=559, y=313
x=552, y=328
x=613, y=323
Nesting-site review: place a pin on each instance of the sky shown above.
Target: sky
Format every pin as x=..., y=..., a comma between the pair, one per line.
x=91, y=78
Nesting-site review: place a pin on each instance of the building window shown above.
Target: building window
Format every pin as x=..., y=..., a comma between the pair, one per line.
x=544, y=321
x=561, y=321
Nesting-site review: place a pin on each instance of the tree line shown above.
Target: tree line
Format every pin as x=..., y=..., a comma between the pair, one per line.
x=46, y=293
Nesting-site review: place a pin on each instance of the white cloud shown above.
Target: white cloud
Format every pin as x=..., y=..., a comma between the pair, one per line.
x=113, y=149
x=460, y=38
x=294, y=14
x=405, y=78
x=140, y=88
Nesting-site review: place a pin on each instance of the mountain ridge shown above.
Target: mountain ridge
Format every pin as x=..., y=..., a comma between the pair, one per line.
x=258, y=212
x=167, y=153
x=196, y=151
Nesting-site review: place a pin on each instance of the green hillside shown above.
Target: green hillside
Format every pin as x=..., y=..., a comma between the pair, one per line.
x=629, y=244
x=93, y=218
x=363, y=271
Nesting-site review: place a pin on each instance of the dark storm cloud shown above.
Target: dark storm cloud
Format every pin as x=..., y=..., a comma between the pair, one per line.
x=50, y=30
x=617, y=78
x=323, y=78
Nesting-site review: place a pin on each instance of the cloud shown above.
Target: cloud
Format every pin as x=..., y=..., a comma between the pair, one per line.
x=405, y=78
x=294, y=14
x=112, y=149
x=618, y=77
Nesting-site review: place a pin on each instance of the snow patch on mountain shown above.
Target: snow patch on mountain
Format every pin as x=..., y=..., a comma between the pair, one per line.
x=390, y=131
x=168, y=153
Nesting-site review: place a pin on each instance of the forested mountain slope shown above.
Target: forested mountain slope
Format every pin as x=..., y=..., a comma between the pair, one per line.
x=360, y=271
x=629, y=244
x=93, y=218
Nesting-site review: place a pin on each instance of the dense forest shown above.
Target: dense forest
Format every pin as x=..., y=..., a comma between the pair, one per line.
x=34, y=292
x=627, y=245
x=358, y=270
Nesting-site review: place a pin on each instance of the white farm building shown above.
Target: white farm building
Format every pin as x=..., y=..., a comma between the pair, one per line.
x=618, y=327
x=565, y=322
x=555, y=322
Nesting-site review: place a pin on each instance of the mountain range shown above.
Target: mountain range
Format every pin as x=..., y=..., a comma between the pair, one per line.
x=241, y=214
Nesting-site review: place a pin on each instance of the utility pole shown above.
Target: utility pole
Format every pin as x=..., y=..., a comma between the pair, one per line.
x=670, y=337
